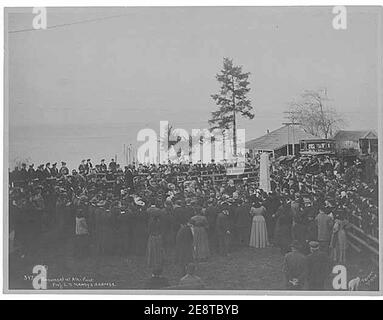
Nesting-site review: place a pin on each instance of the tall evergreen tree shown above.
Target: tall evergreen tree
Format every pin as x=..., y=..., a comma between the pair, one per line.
x=232, y=99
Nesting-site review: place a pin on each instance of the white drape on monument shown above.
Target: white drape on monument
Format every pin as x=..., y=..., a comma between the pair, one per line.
x=264, y=172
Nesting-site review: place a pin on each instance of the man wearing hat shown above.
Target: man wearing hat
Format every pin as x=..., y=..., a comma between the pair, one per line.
x=47, y=170
x=31, y=172
x=230, y=189
x=88, y=166
x=112, y=166
x=64, y=170
x=40, y=172
x=319, y=267
x=82, y=167
x=128, y=176
x=103, y=167
x=295, y=267
x=54, y=170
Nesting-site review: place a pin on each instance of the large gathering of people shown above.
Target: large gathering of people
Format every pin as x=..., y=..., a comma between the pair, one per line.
x=183, y=214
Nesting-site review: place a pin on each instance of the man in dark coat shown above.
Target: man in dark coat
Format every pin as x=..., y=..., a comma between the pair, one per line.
x=184, y=247
x=113, y=166
x=31, y=172
x=88, y=166
x=154, y=209
x=243, y=223
x=54, y=170
x=81, y=167
x=47, y=170
x=180, y=214
x=211, y=216
x=39, y=174
x=103, y=168
x=282, y=234
x=64, y=169
x=128, y=175
x=189, y=209
x=272, y=204
x=222, y=229
x=319, y=265
x=295, y=268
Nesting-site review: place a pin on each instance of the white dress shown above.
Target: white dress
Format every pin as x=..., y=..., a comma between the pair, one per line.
x=258, y=236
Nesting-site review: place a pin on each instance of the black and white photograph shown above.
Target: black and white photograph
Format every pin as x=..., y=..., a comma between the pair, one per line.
x=192, y=149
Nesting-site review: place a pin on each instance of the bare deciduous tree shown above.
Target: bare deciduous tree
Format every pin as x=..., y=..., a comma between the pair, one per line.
x=313, y=112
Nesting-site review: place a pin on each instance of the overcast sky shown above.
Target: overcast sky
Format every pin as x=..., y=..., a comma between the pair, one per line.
x=155, y=64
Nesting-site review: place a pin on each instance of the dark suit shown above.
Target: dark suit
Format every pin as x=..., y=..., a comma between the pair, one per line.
x=64, y=171
x=40, y=174
x=88, y=167
x=221, y=228
x=54, y=172
x=318, y=269
x=181, y=216
x=103, y=168
x=129, y=178
x=47, y=172
x=81, y=168
x=243, y=224
x=31, y=173
x=113, y=166
x=211, y=215
x=295, y=267
x=184, y=247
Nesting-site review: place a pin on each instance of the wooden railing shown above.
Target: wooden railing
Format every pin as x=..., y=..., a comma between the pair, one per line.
x=361, y=241
x=218, y=177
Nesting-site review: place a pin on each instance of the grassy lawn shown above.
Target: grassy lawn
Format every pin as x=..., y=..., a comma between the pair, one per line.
x=244, y=268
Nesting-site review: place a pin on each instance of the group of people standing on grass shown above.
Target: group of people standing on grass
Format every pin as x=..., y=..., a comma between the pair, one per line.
x=148, y=211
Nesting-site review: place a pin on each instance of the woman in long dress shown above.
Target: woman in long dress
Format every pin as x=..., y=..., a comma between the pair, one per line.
x=200, y=237
x=338, y=241
x=258, y=236
x=155, y=251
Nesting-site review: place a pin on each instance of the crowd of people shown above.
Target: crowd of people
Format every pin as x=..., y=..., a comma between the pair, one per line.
x=173, y=214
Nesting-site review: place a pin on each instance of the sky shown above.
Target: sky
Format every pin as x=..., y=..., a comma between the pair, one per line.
x=136, y=66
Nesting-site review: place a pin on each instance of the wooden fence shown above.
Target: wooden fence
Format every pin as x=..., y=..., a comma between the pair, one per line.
x=362, y=241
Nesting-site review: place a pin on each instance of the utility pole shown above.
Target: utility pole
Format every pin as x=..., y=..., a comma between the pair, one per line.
x=288, y=124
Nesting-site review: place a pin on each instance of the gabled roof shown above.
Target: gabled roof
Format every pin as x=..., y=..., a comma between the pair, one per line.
x=278, y=138
x=346, y=135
